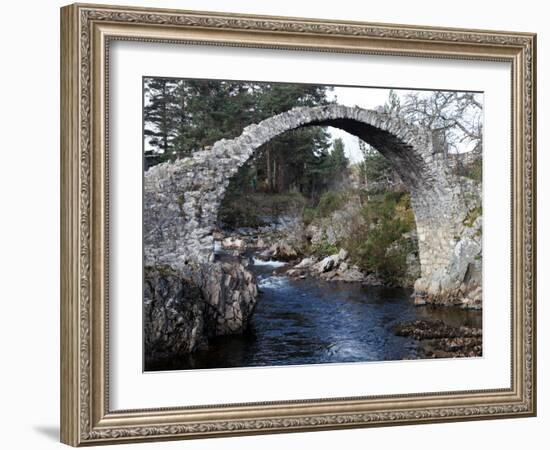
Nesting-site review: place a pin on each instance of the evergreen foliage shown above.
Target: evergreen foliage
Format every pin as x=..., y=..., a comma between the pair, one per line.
x=183, y=116
x=374, y=167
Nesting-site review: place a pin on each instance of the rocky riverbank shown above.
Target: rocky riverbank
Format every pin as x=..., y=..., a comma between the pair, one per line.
x=185, y=309
x=440, y=340
x=335, y=267
x=312, y=252
x=289, y=240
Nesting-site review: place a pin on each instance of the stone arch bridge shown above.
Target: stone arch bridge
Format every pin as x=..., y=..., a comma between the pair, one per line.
x=182, y=198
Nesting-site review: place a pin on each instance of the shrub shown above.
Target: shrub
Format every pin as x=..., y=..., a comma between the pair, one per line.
x=323, y=248
x=309, y=215
x=331, y=201
x=378, y=246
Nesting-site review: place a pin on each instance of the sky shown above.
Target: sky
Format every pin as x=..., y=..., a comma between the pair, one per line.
x=367, y=98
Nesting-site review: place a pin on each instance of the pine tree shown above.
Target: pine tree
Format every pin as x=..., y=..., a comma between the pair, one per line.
x=184, y=116
x=159, y=114
x=338, y=159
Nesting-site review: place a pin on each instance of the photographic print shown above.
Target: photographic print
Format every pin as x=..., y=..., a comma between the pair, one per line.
x=292, y=224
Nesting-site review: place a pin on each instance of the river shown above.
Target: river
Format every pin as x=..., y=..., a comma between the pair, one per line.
x=310, y=321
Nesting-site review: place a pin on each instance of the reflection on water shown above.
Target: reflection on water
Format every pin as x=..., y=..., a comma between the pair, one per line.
x=312, y=321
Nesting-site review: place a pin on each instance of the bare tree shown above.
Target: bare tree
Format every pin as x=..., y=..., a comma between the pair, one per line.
x=455, y=118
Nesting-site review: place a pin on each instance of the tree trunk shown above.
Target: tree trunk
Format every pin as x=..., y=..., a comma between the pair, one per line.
x=274, y=177
x=268, y=167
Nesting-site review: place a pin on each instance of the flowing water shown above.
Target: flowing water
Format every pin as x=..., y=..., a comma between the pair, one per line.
x=312, y=321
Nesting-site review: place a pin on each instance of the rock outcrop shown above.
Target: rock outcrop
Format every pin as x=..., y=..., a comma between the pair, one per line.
x=282, y=251
x=230, y=292
x=174, y=314
x=183, y=308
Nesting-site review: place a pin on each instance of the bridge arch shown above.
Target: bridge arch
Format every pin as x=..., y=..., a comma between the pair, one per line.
x=182, y=198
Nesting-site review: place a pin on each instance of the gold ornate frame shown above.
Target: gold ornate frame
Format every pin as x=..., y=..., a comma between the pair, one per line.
x=86, y=31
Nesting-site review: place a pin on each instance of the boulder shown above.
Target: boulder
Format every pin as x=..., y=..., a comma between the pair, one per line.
x=266, y=254
x=305, y=263
x=350, y=275
x=233, y=243
x=283, y=251
x=294, y=273
x=324, y=265
x=343, y=255
x=217, y=235
x=261, y=243
x=372, y=280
